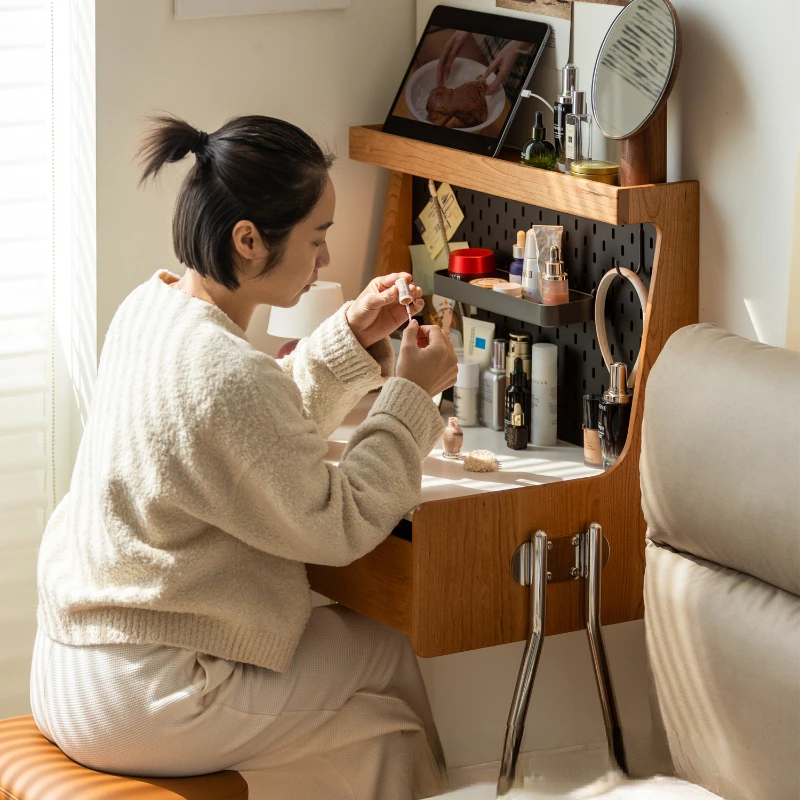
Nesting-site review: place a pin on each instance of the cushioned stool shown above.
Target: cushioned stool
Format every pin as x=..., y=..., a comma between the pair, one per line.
x=33, y=768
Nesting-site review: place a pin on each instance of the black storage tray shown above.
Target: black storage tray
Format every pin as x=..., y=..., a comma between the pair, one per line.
x=580, y=307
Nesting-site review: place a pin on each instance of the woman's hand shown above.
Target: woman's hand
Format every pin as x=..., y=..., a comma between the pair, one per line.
x=427, y=358
x=504, y=63
x=375, y=313
x=451, y=50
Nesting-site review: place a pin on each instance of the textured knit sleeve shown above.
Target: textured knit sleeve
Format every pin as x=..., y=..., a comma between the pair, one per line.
x=291, y=503
x=333, y=371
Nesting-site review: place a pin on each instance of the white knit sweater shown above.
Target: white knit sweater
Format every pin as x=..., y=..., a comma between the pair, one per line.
x=200, y=487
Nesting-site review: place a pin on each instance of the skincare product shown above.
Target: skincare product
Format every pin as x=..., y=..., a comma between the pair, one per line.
x=530, y=269
x=544, y=390
x=600, y=171
x=472, y=262
x=518, y=397
x=519, y=346
x=515, y=268
x=465, y=393
x=578, y=134
x=488, y=283
x=478, y=335
x=562, y=107
x=614, y=415
x=511, y=289
x=555, y=289
x=452, y=439
x=592, y=457
x=493, y=388
x=547, y=236
x=537, y=151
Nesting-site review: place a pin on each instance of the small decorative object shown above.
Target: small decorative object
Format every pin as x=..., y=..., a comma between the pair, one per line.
x=481, y=461
x=321, y=301
x=452, y=439
x=537, y=151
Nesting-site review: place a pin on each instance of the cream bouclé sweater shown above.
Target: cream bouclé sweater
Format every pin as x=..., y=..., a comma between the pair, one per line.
x=200, y=486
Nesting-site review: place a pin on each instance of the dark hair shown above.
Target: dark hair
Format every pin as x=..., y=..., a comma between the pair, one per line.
x=256, y=168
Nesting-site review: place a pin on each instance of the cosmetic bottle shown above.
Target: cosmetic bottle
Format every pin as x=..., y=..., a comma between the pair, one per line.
x=537, y=151
x=515, y=268
x=530, y=269
x=592, y=457
x=465, y=393
x=614, y=415
x=519, y=346
x=518, y=397
x=555, y=288
x=544, y=391
x=452, y=439
x=562, y=107
x=578, y=132
x=493, y=388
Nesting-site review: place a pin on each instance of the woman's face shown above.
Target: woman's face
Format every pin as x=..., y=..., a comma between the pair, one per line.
x=305, y=255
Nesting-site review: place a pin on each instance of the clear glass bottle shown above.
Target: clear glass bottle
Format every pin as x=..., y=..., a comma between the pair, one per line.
x=562, y=107
x=578, y=135
x=538, y=152
x=555, y=289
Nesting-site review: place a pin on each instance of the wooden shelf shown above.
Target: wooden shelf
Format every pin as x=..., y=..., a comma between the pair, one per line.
x=503, y=177
x=580, y=307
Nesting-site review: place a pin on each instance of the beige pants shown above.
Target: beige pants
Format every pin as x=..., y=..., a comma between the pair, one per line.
x=348, y=719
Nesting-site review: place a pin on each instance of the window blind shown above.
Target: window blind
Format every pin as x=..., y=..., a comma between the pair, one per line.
x=26, y=320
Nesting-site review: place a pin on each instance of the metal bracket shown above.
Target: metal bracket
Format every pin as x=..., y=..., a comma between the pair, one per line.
x=535, y=564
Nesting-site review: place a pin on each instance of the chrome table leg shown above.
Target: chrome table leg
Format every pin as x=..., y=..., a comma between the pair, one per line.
x=533, y=574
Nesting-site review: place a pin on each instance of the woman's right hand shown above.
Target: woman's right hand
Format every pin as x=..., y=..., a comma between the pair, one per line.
x=427, y=358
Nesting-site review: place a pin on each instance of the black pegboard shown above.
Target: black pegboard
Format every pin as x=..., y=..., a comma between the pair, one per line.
x=589, y=248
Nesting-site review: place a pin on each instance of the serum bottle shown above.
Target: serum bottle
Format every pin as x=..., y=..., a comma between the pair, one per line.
x=614, y=415
x=537, y=151
x=555, y=288
x=562, y=107
x=578, y=134
x=518, y=401
x=515, y=269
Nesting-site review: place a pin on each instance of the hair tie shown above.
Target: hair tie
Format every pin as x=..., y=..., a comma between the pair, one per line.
x=200, y=143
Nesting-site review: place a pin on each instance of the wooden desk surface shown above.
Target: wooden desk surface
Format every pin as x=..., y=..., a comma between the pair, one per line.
x=443, y=479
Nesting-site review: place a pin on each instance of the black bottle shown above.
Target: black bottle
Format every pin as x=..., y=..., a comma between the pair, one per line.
x=562, y=107
x=614, y=415
x=518, y=403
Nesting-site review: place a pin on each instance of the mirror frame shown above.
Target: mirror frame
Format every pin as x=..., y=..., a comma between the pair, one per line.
x=673, y=73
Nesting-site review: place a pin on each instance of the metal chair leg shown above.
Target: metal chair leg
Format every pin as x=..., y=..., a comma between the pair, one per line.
x=594, y=631
x=534, y=574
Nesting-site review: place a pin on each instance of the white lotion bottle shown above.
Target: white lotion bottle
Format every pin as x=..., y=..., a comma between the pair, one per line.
x=544, y=395
x=530, y=269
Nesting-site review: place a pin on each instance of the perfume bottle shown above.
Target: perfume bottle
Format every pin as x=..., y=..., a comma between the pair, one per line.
x=538, y=152
x=614, y=415
x=518, y=403
x=562, y=107
x=555, y=289
x=578, y=132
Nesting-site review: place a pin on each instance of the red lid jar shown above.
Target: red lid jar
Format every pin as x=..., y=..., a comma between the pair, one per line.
x=471, y=262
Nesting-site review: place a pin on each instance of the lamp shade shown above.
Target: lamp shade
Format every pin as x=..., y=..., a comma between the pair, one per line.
x=322, y=300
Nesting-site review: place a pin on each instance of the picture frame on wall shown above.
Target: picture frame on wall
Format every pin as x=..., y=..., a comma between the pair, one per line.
x=561, y=9
x=198, y=9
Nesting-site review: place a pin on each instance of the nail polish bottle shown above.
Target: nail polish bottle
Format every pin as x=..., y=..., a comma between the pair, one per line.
x=578, y=132
x=452, y=439
x=537, y=151
x=555, y=288
x=518, y=403
x=562, y=107
x=614, y=415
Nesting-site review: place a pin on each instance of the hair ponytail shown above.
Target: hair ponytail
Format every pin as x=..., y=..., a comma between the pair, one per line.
x=257, y=168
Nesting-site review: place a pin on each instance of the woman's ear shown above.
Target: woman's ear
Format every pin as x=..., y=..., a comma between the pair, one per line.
x=248, y=244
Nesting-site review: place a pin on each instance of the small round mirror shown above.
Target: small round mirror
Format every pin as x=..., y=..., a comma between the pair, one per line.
x=636, y=67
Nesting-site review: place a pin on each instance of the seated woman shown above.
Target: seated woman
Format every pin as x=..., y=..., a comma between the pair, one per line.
x=176, y=635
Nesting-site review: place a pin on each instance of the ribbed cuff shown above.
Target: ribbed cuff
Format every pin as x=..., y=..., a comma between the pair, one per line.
x=414, y=408
x=342, y=354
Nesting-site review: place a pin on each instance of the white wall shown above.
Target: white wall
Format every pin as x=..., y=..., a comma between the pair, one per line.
x=323, y=71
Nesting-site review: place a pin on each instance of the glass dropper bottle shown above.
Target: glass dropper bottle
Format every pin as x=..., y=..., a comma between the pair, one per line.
x=538, y=152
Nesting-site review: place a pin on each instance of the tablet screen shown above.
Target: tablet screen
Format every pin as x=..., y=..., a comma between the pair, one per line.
x=466, y=82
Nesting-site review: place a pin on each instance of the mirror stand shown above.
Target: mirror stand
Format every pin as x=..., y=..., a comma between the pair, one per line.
x=643, y=156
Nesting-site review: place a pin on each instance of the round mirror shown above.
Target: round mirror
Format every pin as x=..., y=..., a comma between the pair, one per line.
x=636, y=67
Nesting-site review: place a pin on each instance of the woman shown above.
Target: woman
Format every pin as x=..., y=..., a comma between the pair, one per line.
x=175, y=631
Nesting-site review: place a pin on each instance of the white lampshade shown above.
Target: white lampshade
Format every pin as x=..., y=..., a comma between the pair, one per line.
x=322, y=300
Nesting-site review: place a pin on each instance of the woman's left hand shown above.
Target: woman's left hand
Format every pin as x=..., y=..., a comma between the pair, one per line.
x=376, y=313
